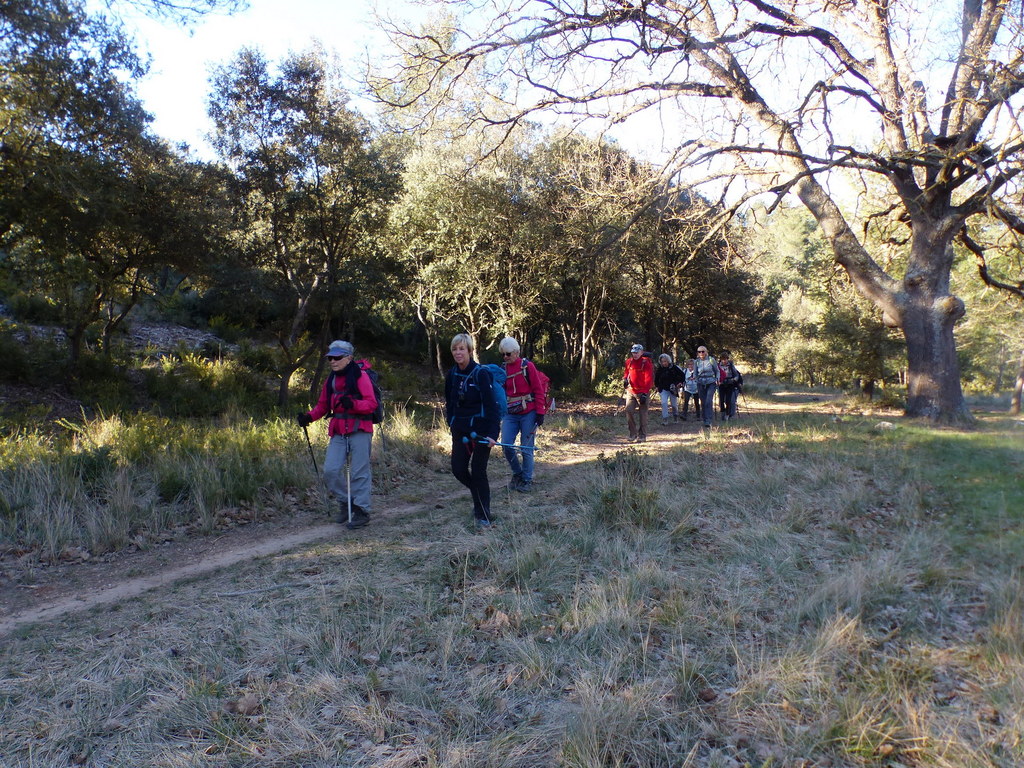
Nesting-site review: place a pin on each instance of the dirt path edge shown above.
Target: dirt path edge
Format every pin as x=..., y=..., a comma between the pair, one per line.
x=135, y=587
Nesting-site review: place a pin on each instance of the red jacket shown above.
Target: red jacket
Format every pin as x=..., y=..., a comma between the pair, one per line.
x=522, y=385
x=355, y=419
x=639, y=375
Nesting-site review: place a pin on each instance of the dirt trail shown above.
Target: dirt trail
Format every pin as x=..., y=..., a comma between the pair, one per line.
x=91, y=596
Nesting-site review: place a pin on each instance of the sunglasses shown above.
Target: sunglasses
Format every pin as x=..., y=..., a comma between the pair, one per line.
x=507, y=354
x=336, y=357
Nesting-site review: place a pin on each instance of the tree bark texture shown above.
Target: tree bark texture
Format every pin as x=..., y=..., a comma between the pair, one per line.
x=1017, y=388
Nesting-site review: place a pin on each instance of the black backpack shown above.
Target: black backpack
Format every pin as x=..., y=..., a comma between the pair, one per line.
x=377, y=416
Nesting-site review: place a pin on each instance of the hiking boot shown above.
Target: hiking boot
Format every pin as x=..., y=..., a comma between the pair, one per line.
x=484, y=523
x=360, y=517
x=525, y=487
x=513, y=484
x=664, y=422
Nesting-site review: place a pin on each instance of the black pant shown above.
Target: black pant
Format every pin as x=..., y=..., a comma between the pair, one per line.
x=469, y=465
x=727, y=394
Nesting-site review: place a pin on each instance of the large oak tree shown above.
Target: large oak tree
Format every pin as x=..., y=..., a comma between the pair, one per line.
x=922, y=99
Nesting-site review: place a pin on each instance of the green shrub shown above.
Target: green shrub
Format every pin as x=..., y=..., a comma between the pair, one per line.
x=258, y=357
x=192, y=386
x=16, y=368
x=102, y=384
x=610, y=385
x=33, y=309
x=222, y=327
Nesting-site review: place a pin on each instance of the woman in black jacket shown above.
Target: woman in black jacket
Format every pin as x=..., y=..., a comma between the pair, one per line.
x=667, y=378
x=471, y=408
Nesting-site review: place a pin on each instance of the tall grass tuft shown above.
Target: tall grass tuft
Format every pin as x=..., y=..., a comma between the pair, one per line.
x=108, y=482
x=623, y=494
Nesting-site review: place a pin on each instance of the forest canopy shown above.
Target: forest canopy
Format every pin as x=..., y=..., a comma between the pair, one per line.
x=400, y=229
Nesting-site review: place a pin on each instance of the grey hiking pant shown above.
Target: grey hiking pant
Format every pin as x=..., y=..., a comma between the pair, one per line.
x=340, y=446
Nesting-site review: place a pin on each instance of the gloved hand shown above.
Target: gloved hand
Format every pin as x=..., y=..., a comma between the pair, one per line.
x=643, y=399
x=346, y=402
x=540, y=420
x=304, y=419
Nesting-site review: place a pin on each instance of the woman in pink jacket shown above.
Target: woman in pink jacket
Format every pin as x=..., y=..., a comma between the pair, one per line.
x=348, y=400
x=526, y=409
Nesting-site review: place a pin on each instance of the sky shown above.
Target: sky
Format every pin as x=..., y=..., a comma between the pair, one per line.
x=177, y=87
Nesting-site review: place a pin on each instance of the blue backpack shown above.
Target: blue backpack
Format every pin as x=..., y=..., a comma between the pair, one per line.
x=498, y=377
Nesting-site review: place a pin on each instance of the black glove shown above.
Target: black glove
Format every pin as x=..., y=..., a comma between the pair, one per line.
x=540, y=420
x=346, y=402
x=304, y=419
x=643, y=399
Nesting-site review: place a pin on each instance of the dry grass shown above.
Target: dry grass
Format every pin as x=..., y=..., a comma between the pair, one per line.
x=768, y=596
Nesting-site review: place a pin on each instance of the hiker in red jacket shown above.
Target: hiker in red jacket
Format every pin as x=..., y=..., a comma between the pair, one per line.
x=526, y=409
x=639, y=381
x=348, y=400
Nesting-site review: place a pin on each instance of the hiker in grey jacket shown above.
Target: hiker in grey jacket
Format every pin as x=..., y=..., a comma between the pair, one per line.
x=705, y=370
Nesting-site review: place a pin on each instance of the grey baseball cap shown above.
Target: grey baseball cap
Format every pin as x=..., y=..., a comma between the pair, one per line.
x=340, y=348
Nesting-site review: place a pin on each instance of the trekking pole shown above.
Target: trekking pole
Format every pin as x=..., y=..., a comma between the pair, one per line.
x=383, y=441
x=348, y=477
x=309, y=442
x=473, y=436
x=316, y=470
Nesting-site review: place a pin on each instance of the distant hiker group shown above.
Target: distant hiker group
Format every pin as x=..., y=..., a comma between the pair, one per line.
x=699, y=379
x=485, y=402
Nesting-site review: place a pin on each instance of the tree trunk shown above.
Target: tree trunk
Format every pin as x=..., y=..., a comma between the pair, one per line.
x=997, y=385
x=1017, y=388
x=933, y=370
x=439, y=358
x=282, y=390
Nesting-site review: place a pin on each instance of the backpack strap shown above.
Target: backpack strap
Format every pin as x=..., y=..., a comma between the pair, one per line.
x=332, y=380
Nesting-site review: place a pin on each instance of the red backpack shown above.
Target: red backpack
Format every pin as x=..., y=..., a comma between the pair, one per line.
x=545, y=383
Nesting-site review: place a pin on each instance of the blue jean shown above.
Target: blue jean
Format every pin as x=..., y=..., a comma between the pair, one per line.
x=706, y=393
x=524, y=424
x=668, y=400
